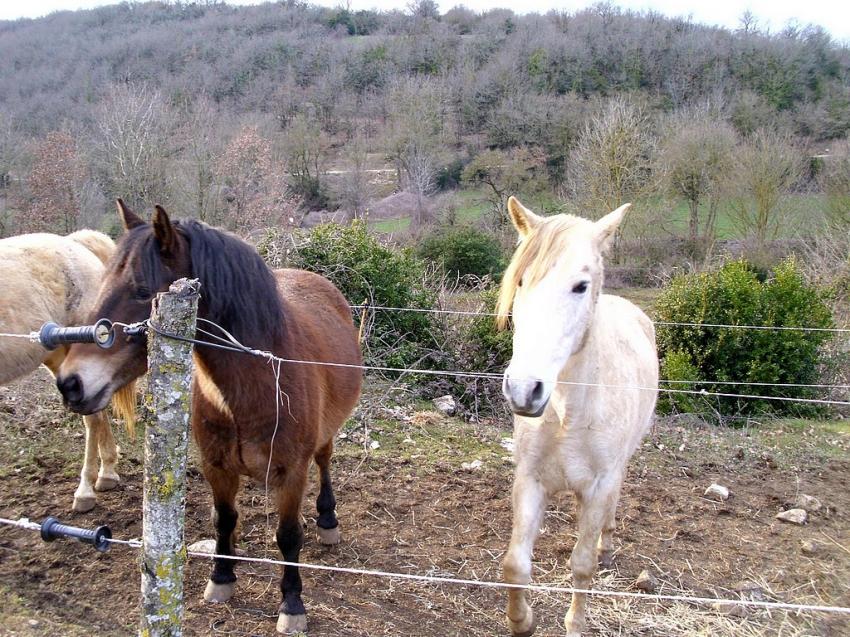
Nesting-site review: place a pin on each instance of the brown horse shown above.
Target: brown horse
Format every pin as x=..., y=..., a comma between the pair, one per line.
x=47, y=277
x=296, y=315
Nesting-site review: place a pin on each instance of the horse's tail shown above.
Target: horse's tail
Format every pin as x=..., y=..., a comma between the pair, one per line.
x=96, y=242
x=124, y=405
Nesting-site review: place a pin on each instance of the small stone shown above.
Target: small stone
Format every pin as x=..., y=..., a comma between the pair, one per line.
x=809, y=547
x=507, y=443
x=808, y=503
x=471, y=466
x=202, y=546
x=409, y=441
x=717, y=492
x=646, y=581
x=733, y=610
x=374, y=445
x=748, y=589
x=445, y=405
x=793, y=516
x=34, y=623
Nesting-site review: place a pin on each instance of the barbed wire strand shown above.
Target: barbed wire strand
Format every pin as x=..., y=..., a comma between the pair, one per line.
x=24, y=523
x=423, y=310
x=239, y=348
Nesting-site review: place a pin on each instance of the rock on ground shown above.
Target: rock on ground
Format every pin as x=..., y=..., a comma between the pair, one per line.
x=793, y=516
x=808, y=503
x=717, y=492
x=445, y=405
x=646, y=581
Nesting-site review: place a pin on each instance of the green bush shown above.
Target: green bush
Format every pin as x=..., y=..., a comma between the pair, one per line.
x=464, y=250
x=735, y=295
x=365, y=270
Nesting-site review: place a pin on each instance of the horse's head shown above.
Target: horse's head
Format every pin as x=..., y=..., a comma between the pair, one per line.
x=551, y=284
x=148, y=258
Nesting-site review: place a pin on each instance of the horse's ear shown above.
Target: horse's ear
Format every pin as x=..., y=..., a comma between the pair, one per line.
x=607, y=226
x=523, y=219
x=164, y=231
x=129, y=219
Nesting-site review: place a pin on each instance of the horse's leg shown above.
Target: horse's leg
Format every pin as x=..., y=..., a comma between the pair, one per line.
x=292, y=617
x=605, y=548
x=327, y=523
x=84, y=497
x=594, y=511
x=529, y=505
x=224, y=487
x=107, y=477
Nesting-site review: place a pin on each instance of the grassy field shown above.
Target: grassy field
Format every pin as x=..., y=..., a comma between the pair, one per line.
x=802, y=215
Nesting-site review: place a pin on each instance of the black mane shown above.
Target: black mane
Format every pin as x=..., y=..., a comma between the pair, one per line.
x=238, y=290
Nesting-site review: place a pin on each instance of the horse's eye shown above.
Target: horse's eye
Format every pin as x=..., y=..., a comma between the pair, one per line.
x=580, y=288
x=142, y=294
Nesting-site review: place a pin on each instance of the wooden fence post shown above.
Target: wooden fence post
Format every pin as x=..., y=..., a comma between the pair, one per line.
x=167, y=406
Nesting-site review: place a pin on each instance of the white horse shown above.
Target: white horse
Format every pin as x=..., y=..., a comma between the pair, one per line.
x=578, y=358
x=46, y=277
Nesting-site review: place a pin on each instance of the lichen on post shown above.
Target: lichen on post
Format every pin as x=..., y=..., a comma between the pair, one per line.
x=166, y=411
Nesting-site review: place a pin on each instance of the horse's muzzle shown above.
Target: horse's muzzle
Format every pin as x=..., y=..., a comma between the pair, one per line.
x=74, y=396
x=526, y=397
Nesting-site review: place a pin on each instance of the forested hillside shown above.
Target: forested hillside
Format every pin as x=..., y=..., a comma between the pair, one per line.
x=205, y=106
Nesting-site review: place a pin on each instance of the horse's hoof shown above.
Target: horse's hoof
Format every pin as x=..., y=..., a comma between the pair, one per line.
x=606, y=560
x=524, y=628
x=83, y=504
x=106, y=483
x=291, y=624
x=329, y=537
x=218, y=593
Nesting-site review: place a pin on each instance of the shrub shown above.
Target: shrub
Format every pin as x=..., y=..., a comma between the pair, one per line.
x=464, y=250
x=364, y=269
x=473, y=343
x=735, y=295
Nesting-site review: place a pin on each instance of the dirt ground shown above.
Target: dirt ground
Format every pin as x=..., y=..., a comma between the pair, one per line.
x=410, y=506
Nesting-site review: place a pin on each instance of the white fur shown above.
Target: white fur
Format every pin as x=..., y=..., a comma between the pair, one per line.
x=585, y=436
x=46, y=277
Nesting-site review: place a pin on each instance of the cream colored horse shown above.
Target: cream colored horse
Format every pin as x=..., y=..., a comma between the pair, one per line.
x=579, y=436
x=46, y=277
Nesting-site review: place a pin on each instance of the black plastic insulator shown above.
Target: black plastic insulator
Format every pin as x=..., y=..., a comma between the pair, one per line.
x=52, y=528
x=101, y=334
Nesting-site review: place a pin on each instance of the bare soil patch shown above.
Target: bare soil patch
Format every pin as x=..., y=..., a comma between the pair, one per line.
x=409, y=506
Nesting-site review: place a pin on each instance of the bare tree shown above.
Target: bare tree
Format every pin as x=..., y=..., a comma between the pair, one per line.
x=255, y=193
x=55, y=185
x=353, y=189
x=694, y=163
x=10, y=152
x=505, y=173
x=306, y=147
x=765, y=169
x=611, y=164
x=132, y=122
x=416, y=136
x=834, y=181
x=199, y=139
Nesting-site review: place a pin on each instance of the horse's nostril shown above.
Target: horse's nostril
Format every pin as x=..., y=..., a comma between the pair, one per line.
x=537, y=392
x=71, y=388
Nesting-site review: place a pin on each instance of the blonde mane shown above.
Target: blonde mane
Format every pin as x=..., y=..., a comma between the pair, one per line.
x=534, y=257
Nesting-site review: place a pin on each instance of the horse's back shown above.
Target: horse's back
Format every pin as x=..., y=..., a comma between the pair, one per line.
x=45, y=277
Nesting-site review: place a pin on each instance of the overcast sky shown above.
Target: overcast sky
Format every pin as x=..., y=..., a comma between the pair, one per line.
x=834, y=15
